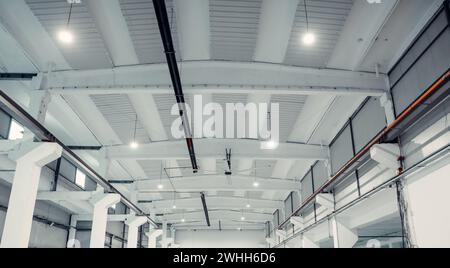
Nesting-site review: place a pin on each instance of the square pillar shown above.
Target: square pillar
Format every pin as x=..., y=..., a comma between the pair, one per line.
x=308, y=243
x=133, y=230
x=164, y=241
x=173, y=232
x=30, y=159
x=39, y=103
x=71, y=241
x=343, y=237
x=388, y=106
x=101, y=203
x=152, y=236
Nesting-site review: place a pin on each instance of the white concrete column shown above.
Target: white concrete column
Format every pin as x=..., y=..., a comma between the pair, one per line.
x=308, y=243
x=271, y=241
x=343, y=237
x=152, y=236
x=173, y=232
x=30, y=159
x=298, y=222
x=388, y=105
x=326, y=200
x=133, y=230
x=101, y=203
x=164, y=235
x=72, y=231
x=386, y=155
x=38, y=107
x=104, y=164
x=281, y=235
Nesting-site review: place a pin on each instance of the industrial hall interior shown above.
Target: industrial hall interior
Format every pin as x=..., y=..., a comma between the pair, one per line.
x=252, y=124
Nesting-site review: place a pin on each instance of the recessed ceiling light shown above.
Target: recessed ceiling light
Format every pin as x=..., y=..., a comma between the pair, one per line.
x=160, y=186
x=309, y=39
x=65, y=37
x=248, y=206
x=256, y=184
x=174, y=206
x=183, y=220
x=242, y=218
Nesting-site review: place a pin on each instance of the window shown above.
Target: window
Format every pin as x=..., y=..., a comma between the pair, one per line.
x=15, y=131
x=80, y=179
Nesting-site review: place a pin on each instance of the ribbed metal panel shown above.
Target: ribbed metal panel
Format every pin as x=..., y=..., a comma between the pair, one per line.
x=290, y=109
x=144, y=32
x=88, y=51
x=164, y=103
x=234, y=29
x=119, y=113
x=152, y=169
x=326, y=20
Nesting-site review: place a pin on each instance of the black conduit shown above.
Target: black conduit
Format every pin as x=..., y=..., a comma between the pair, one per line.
x=205, y=209
x=166, y=36
x=17, y=76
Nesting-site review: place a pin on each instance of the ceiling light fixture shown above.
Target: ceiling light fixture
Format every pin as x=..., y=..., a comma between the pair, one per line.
x=183, y=219
x=242, y=216
x=160, y=185
x=248, y=201
x=65, y=36
x=308, y=38
x=270, y=143
x=174, y=206
x=255, y=182
x=134, y=144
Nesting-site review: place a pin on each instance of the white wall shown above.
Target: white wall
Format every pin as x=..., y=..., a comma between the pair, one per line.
x=428, y=199
x=220, y=239
x=42, y=235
